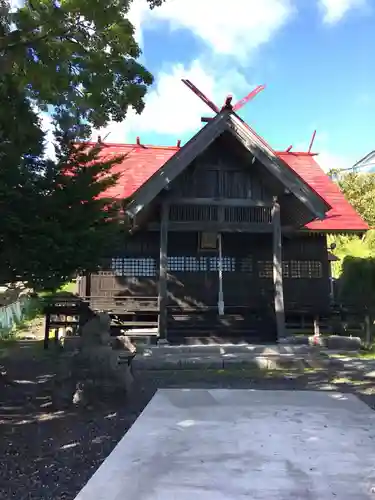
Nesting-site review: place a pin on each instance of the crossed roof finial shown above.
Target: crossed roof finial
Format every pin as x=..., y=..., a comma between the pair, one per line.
x=228, y=101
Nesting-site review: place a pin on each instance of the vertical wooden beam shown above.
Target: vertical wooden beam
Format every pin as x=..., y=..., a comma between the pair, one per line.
x=163, y=272
x=88, y=285
x=316, y=326
x=46, y=330
x=220, y=302
x=278, y=270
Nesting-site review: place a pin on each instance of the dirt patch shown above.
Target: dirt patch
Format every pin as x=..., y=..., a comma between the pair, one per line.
x=51, y=454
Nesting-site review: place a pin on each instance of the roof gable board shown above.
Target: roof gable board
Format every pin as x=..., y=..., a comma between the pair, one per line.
x=270, y=160
x=177, y=164
x=225, y=120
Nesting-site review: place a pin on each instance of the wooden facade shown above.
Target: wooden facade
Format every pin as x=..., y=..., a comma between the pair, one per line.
x=218, y=251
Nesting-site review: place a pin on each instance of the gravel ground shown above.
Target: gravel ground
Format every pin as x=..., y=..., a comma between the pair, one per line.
x=47, y=454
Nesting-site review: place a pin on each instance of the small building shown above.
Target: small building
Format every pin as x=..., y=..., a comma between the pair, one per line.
x=228, y=236
x=365, y=164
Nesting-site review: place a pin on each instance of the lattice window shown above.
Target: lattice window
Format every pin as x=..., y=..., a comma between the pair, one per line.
x=117, y=266
x=187, y=264
x=144, y=266
x=306, y=269
x=295, y=271
x=176, y=263
x=286, y=270
x=247, y=265
x=228, y=263
x=265, y=269
x=195, y=264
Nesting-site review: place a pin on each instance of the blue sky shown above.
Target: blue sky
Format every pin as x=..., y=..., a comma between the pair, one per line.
x=316, y=58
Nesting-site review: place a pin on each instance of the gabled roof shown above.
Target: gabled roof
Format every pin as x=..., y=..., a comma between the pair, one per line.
x=342, y=216
x=228, y=121
x=143, y=161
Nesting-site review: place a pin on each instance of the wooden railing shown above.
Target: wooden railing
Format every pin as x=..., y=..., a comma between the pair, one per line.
x=73, y=312
x=121, y=304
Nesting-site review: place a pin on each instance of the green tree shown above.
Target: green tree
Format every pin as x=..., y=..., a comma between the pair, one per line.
x=51, y=221
x=359, y=189
x=78, y=58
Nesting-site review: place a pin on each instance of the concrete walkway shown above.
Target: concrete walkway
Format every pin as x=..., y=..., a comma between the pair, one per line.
x=236, y=444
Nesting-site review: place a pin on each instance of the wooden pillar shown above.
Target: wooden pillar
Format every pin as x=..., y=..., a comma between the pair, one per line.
x=46, y=330
x=316, y=326
x=87, y=286
x=163, y=272
x=278, y=270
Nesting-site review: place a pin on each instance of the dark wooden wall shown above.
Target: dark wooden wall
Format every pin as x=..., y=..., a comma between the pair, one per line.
x=131, y=271
x=222, y=190
x=193, y=273
x=218, y=173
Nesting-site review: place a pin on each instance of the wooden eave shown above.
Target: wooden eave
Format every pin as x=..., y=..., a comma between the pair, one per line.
x=227, y=121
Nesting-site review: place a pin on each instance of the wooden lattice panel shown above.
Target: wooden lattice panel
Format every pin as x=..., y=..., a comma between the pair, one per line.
x=133, y=266
x=294, y=269
x=193, y=213
x=258, y=215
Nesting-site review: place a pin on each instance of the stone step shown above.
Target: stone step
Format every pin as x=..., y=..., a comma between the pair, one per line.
x=177, y=358
x=283, y=362
x=221, y=349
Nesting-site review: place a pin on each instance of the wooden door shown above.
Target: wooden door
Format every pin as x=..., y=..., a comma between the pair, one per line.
x=192, y=274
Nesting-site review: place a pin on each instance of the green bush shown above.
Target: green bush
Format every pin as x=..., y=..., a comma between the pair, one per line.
x=357, y=283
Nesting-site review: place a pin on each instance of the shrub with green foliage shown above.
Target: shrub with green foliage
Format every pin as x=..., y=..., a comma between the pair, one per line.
x=357, y=283
x=359, y=190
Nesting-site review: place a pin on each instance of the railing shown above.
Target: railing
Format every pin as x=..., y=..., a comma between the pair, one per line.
x=122, y=304
x=13, y=313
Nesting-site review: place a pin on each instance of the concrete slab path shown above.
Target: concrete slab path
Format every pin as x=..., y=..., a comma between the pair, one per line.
x=225, y=444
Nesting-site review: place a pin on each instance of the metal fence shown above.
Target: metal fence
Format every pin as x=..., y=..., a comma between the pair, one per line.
x=13, y=313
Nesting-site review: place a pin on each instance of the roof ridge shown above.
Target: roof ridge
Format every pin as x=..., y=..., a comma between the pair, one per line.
x=132, y=145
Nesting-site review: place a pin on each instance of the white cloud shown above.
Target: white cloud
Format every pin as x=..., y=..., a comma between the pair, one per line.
x=329, y=161
x=233, y=29
x=137, y=11
x=171, y=108
x=335, y=10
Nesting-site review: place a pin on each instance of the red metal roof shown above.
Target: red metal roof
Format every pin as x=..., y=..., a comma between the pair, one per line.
x=342, y=216
x=141, y=162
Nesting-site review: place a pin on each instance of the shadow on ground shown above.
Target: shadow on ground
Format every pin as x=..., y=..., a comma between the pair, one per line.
x=50, y=454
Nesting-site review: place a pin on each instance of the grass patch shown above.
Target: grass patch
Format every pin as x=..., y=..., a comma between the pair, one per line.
x=70, y=287
x=364, y=353
x=246, y=373
x=348, y=381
